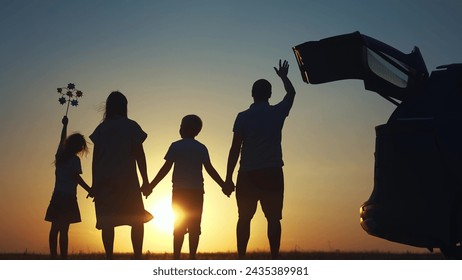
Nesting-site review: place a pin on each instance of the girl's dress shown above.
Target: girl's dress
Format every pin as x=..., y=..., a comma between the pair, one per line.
x=63, y=207
x=118, y=199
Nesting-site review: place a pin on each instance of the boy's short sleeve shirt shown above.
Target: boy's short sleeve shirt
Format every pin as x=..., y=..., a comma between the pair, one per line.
x=188, y=156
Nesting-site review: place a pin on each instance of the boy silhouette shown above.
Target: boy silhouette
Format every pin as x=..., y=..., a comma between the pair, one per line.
x=188, y=156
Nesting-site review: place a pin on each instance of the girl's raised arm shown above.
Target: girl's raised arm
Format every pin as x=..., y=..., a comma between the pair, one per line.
x=63, y=137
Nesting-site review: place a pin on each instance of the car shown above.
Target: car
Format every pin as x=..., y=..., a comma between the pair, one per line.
x=417, y=190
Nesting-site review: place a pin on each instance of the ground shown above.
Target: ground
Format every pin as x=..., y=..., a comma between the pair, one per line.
x=294, y=255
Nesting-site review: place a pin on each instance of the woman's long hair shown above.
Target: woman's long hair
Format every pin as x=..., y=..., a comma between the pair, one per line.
x=116, y=105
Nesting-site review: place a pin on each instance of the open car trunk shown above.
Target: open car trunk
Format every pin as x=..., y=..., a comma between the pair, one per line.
x=384, y=70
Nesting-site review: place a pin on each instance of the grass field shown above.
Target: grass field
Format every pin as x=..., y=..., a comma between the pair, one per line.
x=295, y=255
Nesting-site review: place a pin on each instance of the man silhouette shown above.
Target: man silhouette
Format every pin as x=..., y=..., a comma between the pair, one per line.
x=257, y=139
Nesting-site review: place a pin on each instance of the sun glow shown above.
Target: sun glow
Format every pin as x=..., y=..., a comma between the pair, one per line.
x=161, y=208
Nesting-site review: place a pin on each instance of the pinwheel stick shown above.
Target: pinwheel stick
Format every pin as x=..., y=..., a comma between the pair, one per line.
x=67, y=109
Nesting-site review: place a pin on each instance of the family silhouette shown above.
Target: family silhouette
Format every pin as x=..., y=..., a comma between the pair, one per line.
x=118, y=156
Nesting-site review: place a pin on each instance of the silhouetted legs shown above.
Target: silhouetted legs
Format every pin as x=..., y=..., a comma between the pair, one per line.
x=108, y=241
x=63, y=231
x=267, y=187
x=137, y=235
x=187, y=206
x=64, y=241
x=177, y=244
x=193, y=243
x=178, y=240
x=243, y=235
x=274, y=237
x=53, y=241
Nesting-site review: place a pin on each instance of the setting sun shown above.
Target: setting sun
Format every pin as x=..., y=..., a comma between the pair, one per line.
x=161, y=207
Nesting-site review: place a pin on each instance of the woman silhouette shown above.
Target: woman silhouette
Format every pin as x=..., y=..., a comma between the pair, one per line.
x=118, y=150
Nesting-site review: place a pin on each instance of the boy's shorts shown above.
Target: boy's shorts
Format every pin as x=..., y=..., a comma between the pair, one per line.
x=187, y=205
x=264, y=185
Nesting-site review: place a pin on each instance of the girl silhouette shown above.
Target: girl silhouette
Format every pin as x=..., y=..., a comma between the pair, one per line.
x=63, y=209
x=117, y=154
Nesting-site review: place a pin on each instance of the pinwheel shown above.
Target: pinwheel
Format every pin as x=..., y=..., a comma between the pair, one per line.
x=69, y=95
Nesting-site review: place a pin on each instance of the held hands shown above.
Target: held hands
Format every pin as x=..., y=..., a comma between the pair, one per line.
x=90, y=193
x=283, y=69
x=146, y=189
x=228, y=188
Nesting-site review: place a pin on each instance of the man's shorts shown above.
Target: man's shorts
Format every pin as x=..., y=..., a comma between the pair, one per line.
x=264, y=185
x=187, y=205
